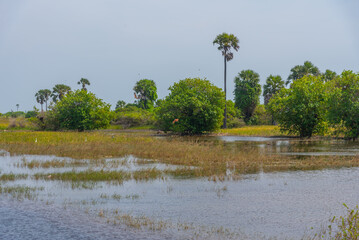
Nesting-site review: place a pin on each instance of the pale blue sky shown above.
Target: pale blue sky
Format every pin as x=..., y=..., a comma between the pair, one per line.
x=114, y=43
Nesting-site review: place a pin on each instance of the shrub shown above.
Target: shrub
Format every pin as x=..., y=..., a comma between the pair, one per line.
x=133, y=116
x=260, y=116
x=79, y=110
x=31, y=114
x=233, y=116
x=301, y=109
x=194, y=106
x=343, y=103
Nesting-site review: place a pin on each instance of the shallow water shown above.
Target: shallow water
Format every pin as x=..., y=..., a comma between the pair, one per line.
x=283, y=205
x=291, y=146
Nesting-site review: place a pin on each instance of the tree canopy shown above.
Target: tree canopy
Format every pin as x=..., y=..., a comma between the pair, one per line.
x=81, y=110
x=247, y=91
x=300, y=71
x=343, y=103
x=301, y=109
x=145, y=93
x=83, y=82
x=271, y=87
x=59, y=91
x=193, y=106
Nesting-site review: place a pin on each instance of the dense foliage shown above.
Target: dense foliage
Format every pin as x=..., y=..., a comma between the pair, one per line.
x=246, y=93
x=301, y=109
x=193, y=106
x=299, y=71
x=343, y=103
x=145, y=93
x=80, y=110
x=132, y=116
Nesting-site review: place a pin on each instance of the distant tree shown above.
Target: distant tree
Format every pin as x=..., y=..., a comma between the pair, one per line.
x=40, y=98
x=47, y=94
x=343, y=103
x=84, y=82
x=17, y=107
x=145, y=93
x=193, y=106
x=81, y=110
x=30, y=114
x=272, y=86
x=301, y=109
x=225, y=43
x=300, y=71
x=120, y=104
x=247, y=91
x=59, y=91
x=329, y=75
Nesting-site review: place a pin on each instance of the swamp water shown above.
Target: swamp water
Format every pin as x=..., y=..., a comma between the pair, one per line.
x=281, y=205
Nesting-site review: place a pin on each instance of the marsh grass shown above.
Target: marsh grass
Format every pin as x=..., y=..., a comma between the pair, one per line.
x=262, y=130
x=203, y=159
x=90, y=175
x=12, y=177
x=55, y=163
x=20, y=192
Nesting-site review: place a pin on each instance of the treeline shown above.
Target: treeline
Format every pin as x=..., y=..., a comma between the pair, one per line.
x=308, y=102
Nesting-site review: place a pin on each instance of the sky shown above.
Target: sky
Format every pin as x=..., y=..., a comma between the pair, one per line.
x=115, y=43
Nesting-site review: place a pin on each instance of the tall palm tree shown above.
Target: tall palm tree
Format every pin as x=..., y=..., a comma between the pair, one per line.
x=47, y=94
x=225, y=43
x=17, y=107
x=59, y=91
x=40, y=98
x=84, y=82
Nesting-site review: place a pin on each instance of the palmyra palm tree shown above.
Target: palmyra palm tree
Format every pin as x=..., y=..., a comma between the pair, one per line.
x=84, y=82
x=225, y=43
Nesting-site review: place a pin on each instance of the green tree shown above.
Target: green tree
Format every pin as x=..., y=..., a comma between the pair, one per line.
x=343, y=103
x=301, y=109
x=47, y=94
x=272, y=86
x=83, y=82
x=329, y=75
x=17, y=107
x=145, y=93
x=81, y=110
x=120, y=104
x=59, y=91
x=225, y=43
x=247, y=91
x=300, y=71
x=40, y=98
x=194, y=106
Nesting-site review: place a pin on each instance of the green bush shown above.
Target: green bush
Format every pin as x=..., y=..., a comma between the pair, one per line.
x=234, y=116
x=194, y=106
x=79, y=110
x=343, y=103
x=31, y=114
x=132, y=116
x=260, y=116
x=301, y=109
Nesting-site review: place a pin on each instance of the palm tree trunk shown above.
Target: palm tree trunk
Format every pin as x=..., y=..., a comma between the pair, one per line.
x=225, y=92
x=41, y=107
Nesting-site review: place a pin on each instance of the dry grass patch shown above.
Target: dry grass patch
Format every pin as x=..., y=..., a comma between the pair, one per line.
x=210, y=158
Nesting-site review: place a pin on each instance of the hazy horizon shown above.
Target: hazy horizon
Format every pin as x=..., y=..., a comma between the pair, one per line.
x=116, y=43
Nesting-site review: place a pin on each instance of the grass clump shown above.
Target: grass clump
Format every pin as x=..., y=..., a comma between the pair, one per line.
x=20, y=192
x=262, y=130
x=115, y=176
x=12, y=177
